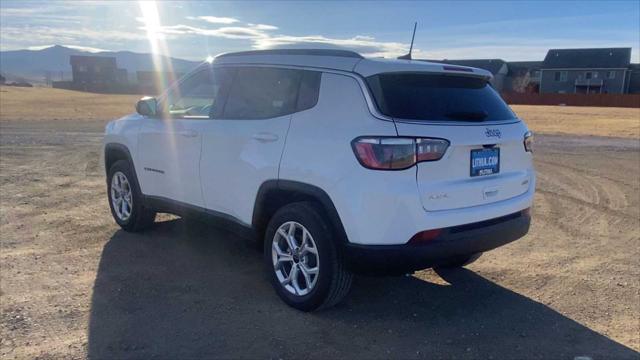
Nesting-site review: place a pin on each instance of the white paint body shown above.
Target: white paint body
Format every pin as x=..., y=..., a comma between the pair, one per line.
x=219, y=164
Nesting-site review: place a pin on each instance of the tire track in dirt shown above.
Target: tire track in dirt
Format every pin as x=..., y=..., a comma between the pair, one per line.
x=597, y=204
x=580, y=186
x=591, y=173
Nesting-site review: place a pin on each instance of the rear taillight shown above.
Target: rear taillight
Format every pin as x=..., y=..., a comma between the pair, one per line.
x=528, y=141
x=397, y=153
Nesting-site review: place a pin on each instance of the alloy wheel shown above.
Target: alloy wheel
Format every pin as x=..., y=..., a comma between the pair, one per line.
x=121, y=196
x=295, y=258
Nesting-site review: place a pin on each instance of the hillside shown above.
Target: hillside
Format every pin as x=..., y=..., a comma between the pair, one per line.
x=33, y=64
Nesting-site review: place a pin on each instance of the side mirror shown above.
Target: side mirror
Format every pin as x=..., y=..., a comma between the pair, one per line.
x=147, y=106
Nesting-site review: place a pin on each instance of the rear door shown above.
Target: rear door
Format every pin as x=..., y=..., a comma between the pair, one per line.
x=242, y=146
x=486, y=160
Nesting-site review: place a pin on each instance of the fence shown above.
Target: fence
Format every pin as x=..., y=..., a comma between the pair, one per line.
x=114, y=88
x=604, y=100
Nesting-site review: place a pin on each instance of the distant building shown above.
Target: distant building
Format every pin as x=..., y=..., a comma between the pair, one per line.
x=586, y=71
x=95, y=73
x=93, y=69
x=497, y=67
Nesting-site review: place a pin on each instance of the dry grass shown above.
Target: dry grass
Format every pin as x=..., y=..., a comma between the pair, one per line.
x=53, y=104
x=576, y=120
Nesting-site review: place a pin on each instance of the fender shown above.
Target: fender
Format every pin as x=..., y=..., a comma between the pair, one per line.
x=122, y=153
x=298, y=190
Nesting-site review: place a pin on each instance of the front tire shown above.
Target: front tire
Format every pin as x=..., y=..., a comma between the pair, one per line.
x=125, y=199
x=305, y=265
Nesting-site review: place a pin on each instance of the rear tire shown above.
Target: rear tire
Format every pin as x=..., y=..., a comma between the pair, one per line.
x=125, y=199
x=459, y=262
x=298, y=236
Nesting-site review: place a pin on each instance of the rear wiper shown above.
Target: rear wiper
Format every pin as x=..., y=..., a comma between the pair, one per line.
x=467, y=115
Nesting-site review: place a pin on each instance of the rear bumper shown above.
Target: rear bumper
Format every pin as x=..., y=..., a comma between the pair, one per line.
x=456, y=241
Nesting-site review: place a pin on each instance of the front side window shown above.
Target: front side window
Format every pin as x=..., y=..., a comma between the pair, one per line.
x=262, y=93
x=196, y=97
x=420, y=96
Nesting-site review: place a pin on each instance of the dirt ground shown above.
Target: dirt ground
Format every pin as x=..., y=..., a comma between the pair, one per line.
x=73, y=285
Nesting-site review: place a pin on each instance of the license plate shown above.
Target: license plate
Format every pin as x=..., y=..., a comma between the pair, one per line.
x=485, y=161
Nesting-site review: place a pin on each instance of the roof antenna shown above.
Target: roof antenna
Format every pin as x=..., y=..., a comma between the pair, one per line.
x=408, y=56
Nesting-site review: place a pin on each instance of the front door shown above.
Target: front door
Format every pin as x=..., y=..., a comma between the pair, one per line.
x=170, y=145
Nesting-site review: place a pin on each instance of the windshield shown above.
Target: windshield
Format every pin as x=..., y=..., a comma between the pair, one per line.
x=428, y=97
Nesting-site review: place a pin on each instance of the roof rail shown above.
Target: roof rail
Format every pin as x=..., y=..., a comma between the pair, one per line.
x=313, y=52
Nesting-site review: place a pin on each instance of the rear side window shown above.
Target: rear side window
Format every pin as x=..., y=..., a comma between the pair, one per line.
x=432, y=97
x=309, y=90
x=260, y=93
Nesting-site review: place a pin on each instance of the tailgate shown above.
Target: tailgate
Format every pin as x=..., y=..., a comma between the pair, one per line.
x=448, y=183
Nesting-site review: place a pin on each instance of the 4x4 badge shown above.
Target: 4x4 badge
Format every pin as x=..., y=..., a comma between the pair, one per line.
x=492, y=133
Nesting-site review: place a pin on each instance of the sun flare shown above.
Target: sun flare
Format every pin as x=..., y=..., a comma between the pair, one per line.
x=159, y=49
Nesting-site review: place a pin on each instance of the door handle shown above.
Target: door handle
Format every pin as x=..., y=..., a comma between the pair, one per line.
x=265, y=137
x=188, y=133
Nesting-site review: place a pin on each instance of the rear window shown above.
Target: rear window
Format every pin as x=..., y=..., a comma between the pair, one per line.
x=437, y=97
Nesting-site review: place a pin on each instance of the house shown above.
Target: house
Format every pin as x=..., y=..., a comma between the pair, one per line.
x=585, y=71
x=93, y=70
x=95, y=73
x=497, y=67
x=523, y=77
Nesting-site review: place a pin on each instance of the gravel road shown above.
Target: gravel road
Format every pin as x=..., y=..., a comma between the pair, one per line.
x=73, y=285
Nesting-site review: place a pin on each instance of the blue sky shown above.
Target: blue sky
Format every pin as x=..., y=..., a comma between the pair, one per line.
x=511, y=30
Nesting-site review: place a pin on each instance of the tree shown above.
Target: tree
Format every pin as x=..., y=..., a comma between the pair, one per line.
x=521, y=83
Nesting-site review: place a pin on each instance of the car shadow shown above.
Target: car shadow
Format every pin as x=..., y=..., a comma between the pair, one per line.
x=195, y=291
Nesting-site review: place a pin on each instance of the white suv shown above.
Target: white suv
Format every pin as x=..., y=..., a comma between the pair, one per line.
x=336, y=163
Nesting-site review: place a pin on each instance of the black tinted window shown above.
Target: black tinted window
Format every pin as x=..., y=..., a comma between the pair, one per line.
x=260, y=93
x=437, y=97
x=309, y=90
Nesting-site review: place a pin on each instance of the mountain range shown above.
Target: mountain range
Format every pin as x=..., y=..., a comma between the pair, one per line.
x=32, y=65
